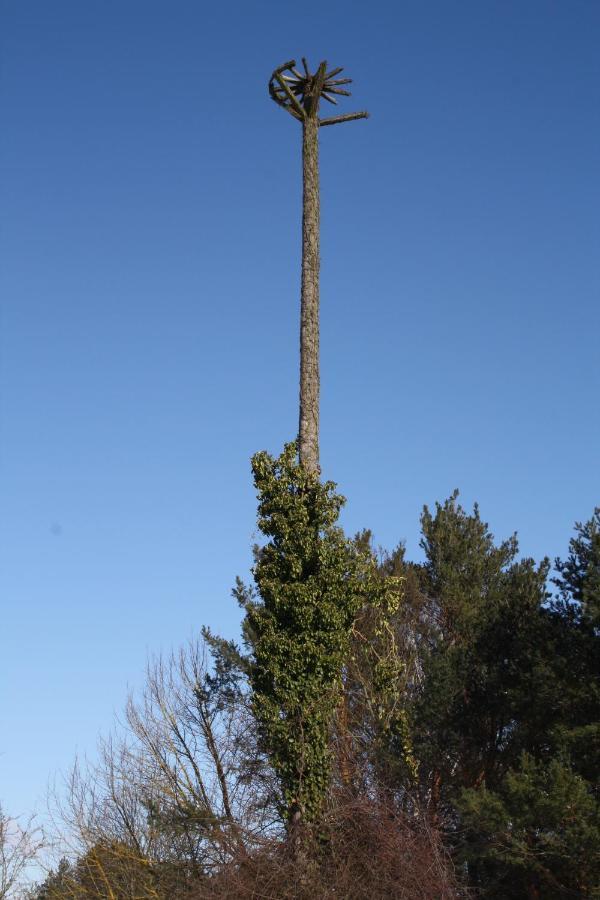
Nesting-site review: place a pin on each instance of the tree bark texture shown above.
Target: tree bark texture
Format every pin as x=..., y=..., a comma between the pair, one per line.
x=308, y=434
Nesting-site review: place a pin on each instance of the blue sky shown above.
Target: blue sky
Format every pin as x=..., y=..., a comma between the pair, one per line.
x=150, y=279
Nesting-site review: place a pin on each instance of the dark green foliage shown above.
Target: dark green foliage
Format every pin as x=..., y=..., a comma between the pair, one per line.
x=578, y=607
x=57, y=884
x=485, y=673
x=464, y=573
x=505, y=723
x=579, y=575
x=106, y=872
x=311, y=582
x=537, y=835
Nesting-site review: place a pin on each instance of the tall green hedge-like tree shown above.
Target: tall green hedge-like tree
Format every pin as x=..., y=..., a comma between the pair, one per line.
x=300, y=93
x=310, y=583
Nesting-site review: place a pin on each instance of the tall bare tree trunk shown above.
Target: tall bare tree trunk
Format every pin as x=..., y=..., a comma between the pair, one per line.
x=308, y=432
x=300, y=95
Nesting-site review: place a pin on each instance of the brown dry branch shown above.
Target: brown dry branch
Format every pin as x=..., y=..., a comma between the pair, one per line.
x=364, y=849
x=19, y=847
x=180, y=805
x=178, y=793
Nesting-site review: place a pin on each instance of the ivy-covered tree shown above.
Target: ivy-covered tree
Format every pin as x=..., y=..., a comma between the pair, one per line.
x=373, y=736
x=310, y=584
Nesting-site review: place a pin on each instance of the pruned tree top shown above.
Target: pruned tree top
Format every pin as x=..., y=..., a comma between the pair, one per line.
x=299, y=92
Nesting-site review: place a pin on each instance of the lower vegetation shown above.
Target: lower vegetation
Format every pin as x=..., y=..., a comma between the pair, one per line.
x=383, y=729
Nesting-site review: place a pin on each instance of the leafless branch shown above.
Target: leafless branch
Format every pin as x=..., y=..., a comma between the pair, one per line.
x=348, y=117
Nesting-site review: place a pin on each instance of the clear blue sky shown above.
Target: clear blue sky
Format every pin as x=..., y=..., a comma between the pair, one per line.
x=150, y=279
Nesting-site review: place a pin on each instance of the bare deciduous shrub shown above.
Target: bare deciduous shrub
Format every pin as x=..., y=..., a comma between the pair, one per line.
x=19, y=847
x=363, y=849
x=177, y=793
